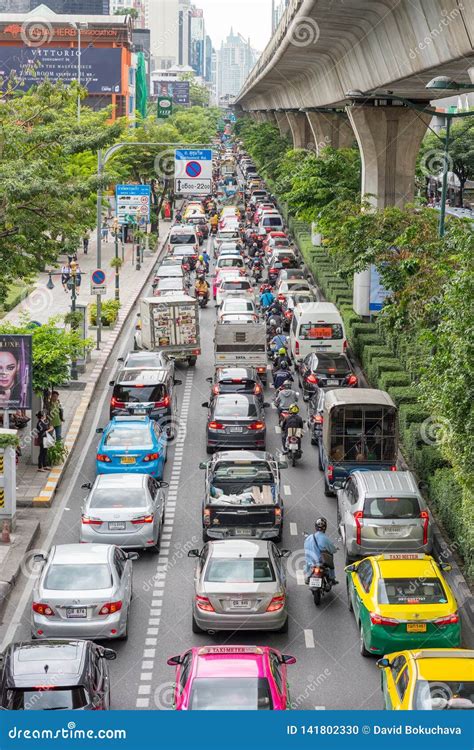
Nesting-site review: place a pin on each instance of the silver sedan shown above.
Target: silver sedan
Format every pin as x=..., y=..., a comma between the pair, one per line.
x=124, y=509
x=240, y=585
x=83, y=591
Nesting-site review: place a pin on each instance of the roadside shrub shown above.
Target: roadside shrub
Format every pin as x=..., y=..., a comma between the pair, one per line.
x=409, y=414
x=447, y=499
x=389, y=379
x=374, y=351
x=427, y=459
x=382, y=364
x=404, y=395
x=366, y=339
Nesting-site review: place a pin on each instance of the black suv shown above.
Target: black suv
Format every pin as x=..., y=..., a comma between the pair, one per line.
x=53, y=675
x=143, y=390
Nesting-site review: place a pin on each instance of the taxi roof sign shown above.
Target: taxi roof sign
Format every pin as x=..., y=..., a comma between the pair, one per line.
x=405, y=556
x=230, y=650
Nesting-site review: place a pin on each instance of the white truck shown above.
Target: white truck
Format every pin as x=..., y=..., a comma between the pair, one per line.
x=243, y=345
x=170, y=324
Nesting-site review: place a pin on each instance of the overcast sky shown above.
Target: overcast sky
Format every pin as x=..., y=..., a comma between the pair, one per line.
x=252, y=18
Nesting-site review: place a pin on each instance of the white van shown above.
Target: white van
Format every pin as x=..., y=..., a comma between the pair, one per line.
x=316, y=327
x=182, y=234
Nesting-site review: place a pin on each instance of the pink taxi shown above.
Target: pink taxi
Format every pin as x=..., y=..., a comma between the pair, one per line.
x=222, y=273
x=231, y=678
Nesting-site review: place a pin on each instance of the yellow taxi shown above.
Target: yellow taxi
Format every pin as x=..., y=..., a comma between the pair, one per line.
x=402, y=601
x=428, y=679
x=193, y=210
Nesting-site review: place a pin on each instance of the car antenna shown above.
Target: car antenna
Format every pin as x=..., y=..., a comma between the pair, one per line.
x=46, y=667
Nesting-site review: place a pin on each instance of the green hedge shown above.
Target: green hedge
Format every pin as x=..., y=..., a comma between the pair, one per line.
x=404, y=395
x=455, y=513
x=390, y=379
x=380, y=365
x=366, y=339
x=409, y=414
x=427, y=460
x=375, y=352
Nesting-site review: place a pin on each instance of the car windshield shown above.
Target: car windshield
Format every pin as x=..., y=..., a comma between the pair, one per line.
x=391, y=507
x=236, y=285
x=46, y=698
x=227, y=408
x=326, y=363
x=272, y=221
x=187, y=238
x=117, y=497
x=139, y=393
x=228, y=262
x=411, y=591
x=238, y=305
x=310, y=331
x=230, y=694
x=121, y=437
x=250, y=473
x=442, y=695
x=255, y=570
x=78, y=577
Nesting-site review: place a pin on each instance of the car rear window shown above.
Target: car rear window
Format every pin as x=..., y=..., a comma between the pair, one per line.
x=230, y=694
x=411, y=591
x=115, y=497
x=231, y=262
x=188, y=238
x=140, y=393
x=391, y=507
x=120, y=437
x=47, y=698
x=256, y=570
x=253, y=472
x=328, y=364
x=310, y=331
x=238, y=305
x=235, y=407
x=272, y=221
x=78, y=577
x=236, y=285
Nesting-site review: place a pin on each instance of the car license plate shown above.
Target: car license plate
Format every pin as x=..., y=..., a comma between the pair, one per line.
x=416, y=627
x=315, y=583
x=76, y=613
x=235, y=429
x=392, y=531
x=116, y=525
x=127, y=460
x=332, y=381
x=240, y=603
x=139, y=412
x=242, y=532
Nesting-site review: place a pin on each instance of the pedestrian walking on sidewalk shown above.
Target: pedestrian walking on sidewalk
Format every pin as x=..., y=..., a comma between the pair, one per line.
x=105, y=231
x=85, y=243
x=56, y=414
x=65, y=275
x=43, y=428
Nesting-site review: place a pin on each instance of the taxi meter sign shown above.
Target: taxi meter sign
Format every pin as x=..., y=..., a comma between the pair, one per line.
x=193, y=171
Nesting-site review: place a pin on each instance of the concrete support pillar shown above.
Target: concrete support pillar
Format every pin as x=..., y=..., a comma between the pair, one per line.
x=282, y=122
x=330, y=129
x=389, y=139
x=300, y=130
x=269, y=116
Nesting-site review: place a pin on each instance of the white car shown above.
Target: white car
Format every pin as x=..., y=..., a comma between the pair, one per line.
x=230, y=261
x=293, y=286
x=235, y=288
x=271, y=222
x=237, y=306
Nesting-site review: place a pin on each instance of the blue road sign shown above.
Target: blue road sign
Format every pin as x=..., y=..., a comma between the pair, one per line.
x=193, y=169
x=98, y=277
x=188, y=154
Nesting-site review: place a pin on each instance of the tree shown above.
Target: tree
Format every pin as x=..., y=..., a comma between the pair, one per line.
x=132, y=12
x=265, y=144
x=198, y=94
x=460, y=157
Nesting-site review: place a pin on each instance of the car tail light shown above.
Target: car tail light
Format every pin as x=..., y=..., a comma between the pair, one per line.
x=317, y=570
x=202, y=602
x=42, y=609
x=151, y=457
x=215, y=389
x=88, y=521
x=318, y=418
x=352, y=380
x=330, y=473
x=257, y=390
x=195, y=352
x=103, y=458
x=357, y=516
x=115, y=403
x=142, y=520
x=261, y=369
x=164, y=403
x=312, y=379
x=257, y=426
x=110, y=608
x=344, y=346
x=277, y=515
x=281, y=297
x=216, y=426
x=448, y=620
x=426, y=520
x=393, y=468
x=297, y=347
x=288, y=314
x=206, y=517
x=376, y=619
x=278, y=602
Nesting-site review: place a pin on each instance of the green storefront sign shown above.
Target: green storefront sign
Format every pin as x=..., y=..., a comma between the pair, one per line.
x=165, y=107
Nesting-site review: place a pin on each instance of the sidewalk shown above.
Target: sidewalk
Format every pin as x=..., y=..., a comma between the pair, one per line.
x=35, y=488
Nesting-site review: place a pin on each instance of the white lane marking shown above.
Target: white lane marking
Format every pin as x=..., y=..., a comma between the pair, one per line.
x=144, y=689
x=277, y=428
x=287, y=489
x=142, y=703
x=300, y=577
x=293, y=529
x=146, y=665
x=308, y=638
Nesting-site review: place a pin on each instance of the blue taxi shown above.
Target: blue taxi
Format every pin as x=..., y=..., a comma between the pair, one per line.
x=135, y=444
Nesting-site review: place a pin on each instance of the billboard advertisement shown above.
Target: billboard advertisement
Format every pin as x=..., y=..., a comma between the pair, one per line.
x=101, y=69
x=15, y=371
x=178, y=91
x=378, y=293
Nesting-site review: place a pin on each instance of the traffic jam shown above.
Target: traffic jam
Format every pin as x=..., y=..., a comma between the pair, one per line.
x=296, y=488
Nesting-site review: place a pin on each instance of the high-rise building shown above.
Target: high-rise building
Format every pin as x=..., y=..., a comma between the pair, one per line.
x=278, y=8
x=197, y=41
x=163, y=25
x=236, y=60
x=73, y=7
x=140, y=6
x=208, y=50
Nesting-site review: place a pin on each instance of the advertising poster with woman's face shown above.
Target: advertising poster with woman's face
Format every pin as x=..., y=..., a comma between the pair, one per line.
x=15, y=372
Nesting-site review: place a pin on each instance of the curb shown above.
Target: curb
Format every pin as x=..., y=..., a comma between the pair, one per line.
x=45, y=498
x=16, y=555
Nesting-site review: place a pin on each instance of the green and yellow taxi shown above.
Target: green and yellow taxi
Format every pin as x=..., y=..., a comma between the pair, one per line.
x=428, y=679
x=402, y=601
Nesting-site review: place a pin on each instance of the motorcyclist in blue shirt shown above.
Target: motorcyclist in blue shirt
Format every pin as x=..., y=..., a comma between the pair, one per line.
x=314, y=545
x=266, y=298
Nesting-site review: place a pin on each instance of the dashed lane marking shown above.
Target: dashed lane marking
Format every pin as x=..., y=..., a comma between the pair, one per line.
x=308, y=638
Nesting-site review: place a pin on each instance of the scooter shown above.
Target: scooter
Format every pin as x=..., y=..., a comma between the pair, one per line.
x=293, y=444
x=202, y=298
x=319, y=583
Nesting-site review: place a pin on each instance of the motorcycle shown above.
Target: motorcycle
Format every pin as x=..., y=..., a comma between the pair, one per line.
x=293, y=444
x=257, y=273
x=202, y=298
x=319, y=582
x=213, y=228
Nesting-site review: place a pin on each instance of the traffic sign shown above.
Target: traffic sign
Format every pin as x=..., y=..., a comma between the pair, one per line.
x=193, y=171
x=132, y=201
x=98, y=276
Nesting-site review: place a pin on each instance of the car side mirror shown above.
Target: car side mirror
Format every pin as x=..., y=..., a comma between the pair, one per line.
x=162, y=483
x=178, y=382
x=132, y=555
x=109, y=654
x=120, y=359
x=282, y=464
x=287, y=659
x=423, y=486
x=383, y=663
x=111, y=382
x=446, y=567
x=284, y=552
x=193, y=553
x=208, y=380
x=205, y=404
x=174, y=661
x=203, y=464
x=86, y=486
x=39, y=558
x=350, y=568
x=99, y=430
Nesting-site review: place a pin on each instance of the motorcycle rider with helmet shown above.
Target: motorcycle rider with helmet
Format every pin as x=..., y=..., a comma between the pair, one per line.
x=293, y=419
x=279, y=341
x=200, y=267
x=285, y=397
x=314, y=545
x=282, y=374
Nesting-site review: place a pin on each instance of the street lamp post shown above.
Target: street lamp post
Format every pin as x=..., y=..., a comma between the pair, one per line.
x=72, y=286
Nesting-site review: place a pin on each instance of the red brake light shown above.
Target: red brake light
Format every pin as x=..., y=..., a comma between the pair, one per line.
x=357, y=516
x=297, y=347
x=393, y=468
x=110, y=608
x=352, y=380
x=216, y=426
x=143, y=519
x=165, y=402
x=116, y=403
x=202, y=602
x=278, y=602
x=261, y=369
x=88, y=521
x=376, y=619
x=215, y=389
x=344, y=346
x=151, y=457
x=257, y=389
x=257, y=426
x=318, y=418
x=42, y=609
x=426, y=520
x=330, y=473
x=312, y=379
x=103, y=458
x=288, y=314
x=448, y=620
